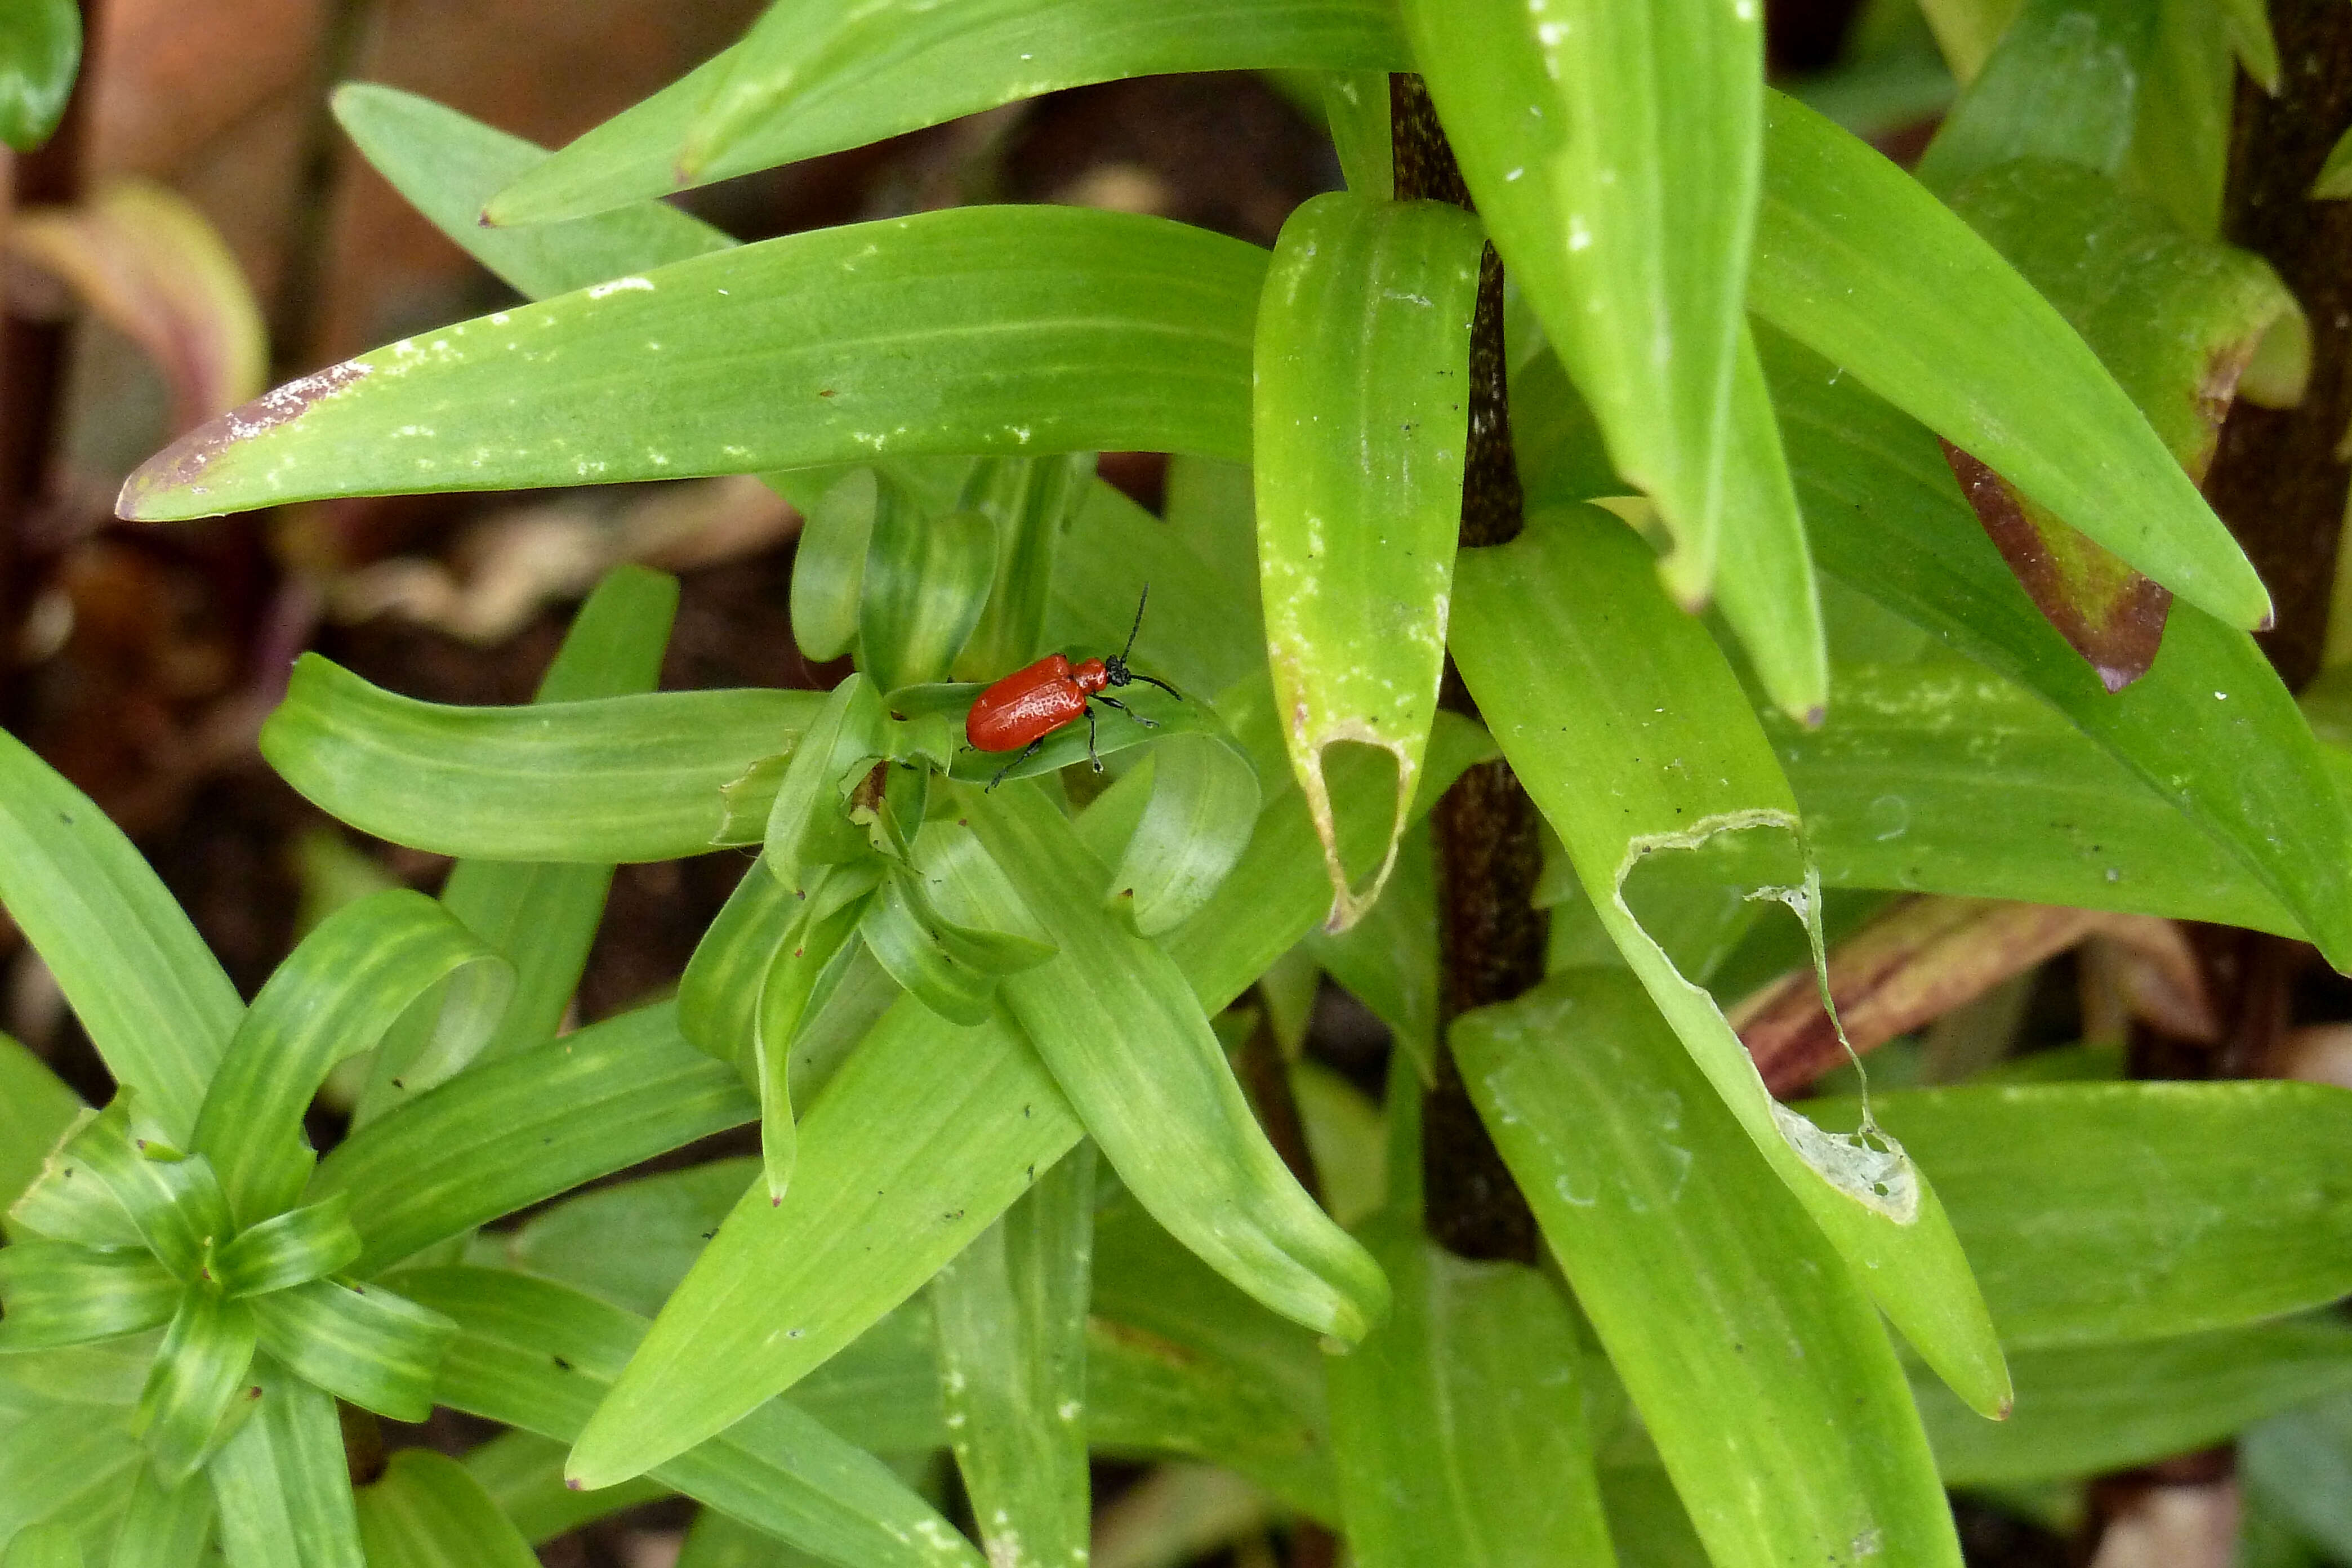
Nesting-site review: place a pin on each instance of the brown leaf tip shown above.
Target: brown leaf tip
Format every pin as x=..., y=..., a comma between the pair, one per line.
x=183, y=463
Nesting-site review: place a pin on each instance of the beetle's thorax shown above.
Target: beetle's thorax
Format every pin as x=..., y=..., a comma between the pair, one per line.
x=1092, y=675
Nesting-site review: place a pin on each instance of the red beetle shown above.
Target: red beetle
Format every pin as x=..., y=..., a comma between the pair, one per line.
x=1019, y=711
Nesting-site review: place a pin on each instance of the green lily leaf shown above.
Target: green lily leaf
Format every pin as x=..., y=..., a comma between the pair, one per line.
x=35, y=1110
x=427, y=1511
x=1194, y=825
x=1012, y=1319
x=281, y=1485
x=1458, y=1426
x=448, y=165
x=1131, y=334
x=198, y=1376
x=719, y=995
x=1628, y=729
x=1860, y=263
x=2051, y=1185
x=1764, y=574
x=1116, y=1022
x=333, y=996
x=1277, y=892
x=361, y=1344
x=1356, y=112
x=2062, y=83
x=2090, y=1408
x=539, y=917
x=618, y=779
x=795, y=987
x=520, y=1131
x=40, y=51
x=287, y=1250
x=536, y=1355
x=1364, y=327
x=631, y=1242
x=808, y=826
x=165, y=1527
x=812, y=78
x=925, y=582
x=523, y=1474
x=151, y=995
x=44, y=1546
x=914, y=955
x=2240, y=765
x=1755, y=1356
x=1030, y=501
x=129, y=1193
x=1942, y=777
x=829, y=561
x=56, y=1293
x=60, y=1462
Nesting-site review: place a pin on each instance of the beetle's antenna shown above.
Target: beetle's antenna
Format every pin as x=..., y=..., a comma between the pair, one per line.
x=1153, y=681
x=1138, y=627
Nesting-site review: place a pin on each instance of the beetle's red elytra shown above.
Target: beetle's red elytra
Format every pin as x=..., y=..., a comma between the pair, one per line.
x=1019, y=711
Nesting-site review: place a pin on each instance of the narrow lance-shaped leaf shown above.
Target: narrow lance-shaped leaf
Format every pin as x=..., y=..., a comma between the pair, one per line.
x=2209, y=728
x=288, y=1249
x=139, y=978
x=621, y=778
x=1114, y=1020
x=813, y=960
x=2176, y=320
x=815, y=78
x=540, y=918
x=1012, y=1314
x=2062, y=84
x=1754, y=1356
x=925, y=582
x=282, y=1486
x=537, y=1355
x=1859, y=262
x=199, y=1373
x=1458, y=1428
x=427, y=1512
x=1629, y=731
x=105, y=1186
x=361, y=1343
x=1194, y=826
x=448, y=165
x=165, y=1527
x=1361, y=420
x=1655, y=182
x=335, y=996
x=829, y=563
x=522, y=1130
x=57, y=1293
x=1132, y=334
x=1692, y=427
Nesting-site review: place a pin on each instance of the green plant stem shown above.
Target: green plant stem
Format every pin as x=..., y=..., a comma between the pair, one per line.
x=2279, y=478
x=1491, y=937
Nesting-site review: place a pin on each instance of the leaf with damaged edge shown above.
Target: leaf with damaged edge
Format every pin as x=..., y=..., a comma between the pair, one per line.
x=536, y=1355
x=1364, y=327
x=281, y=1485
x=1458, y=1426
x=520, y=1131
x=2050, y=1185
x=1754, y=1356
x=2176, y=320
x=1133, y=334
x=333, y=996
x=1114, y=1020
x=427, y=1511
x=2209, y=728
x=139, y=978
x=619, y=778
x=1859, y=262
x=1620, y=716
x=810, y=80
x=1010, y=1311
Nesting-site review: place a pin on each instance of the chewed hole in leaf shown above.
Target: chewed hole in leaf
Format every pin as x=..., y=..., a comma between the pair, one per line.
x=1360, y=847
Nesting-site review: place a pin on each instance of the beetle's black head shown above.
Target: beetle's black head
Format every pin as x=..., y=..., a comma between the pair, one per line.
x=1116, y=673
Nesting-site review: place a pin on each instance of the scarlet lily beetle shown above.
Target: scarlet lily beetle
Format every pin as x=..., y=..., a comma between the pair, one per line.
x=1019, y=711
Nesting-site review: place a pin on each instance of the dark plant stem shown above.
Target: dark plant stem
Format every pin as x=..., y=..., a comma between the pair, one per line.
x=2279, y=478
x=1491, y=937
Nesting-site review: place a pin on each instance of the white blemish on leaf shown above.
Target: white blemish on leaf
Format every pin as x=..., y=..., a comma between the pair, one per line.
x=599, y=290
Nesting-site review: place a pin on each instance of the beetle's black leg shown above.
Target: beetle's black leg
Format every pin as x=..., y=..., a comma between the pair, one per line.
x=1026, y=752
x=1091, y=755
x=1115, y=702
